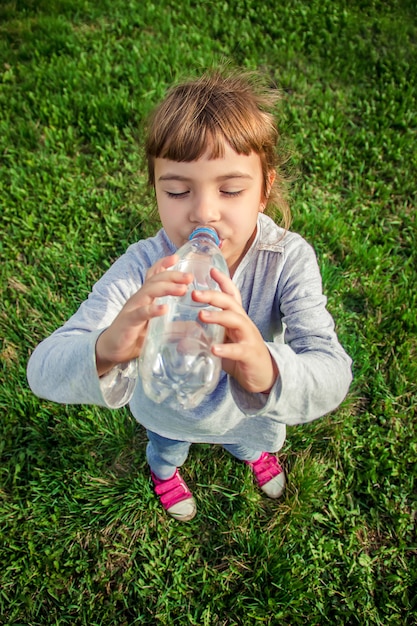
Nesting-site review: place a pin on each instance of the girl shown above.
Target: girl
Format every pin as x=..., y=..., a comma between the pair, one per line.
x=211, y=153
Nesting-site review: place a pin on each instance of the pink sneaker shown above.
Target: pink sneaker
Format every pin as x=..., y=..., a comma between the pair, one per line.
x=175, y=496
x=269, y=474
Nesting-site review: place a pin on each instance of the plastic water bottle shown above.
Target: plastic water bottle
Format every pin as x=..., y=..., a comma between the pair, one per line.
x=176, y=364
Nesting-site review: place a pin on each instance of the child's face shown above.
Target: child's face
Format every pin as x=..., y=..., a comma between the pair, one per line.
x=225, y=193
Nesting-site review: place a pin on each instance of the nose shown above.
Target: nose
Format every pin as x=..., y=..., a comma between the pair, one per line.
x=204, y=209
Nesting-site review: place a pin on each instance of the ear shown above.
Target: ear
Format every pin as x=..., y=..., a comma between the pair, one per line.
x=271, y=178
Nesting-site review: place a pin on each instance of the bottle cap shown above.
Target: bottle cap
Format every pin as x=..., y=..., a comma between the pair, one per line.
x=207, y=230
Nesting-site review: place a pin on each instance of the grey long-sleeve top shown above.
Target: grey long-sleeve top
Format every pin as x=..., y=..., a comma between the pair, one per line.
x=281, y=288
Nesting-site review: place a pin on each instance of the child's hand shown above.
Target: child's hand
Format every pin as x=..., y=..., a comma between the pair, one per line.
x=123, y=339
x=245, y=355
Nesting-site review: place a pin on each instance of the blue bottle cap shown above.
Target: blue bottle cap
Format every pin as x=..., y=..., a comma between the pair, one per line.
x=209, y=231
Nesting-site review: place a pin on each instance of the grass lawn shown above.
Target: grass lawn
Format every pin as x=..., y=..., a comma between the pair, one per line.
x=82, y=538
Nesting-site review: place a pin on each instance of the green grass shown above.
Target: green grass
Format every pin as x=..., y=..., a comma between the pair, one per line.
x=83, y=540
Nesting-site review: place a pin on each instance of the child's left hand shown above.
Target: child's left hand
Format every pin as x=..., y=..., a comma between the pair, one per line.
x=244, y=354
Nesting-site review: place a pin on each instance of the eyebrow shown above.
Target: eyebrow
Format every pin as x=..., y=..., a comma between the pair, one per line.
x=228, y=176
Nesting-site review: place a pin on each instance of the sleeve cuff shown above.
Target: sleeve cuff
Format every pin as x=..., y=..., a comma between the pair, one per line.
x=254, y=403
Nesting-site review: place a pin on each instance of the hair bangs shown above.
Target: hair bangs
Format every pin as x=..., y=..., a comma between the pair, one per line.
x=191, y=142
x=189, y=139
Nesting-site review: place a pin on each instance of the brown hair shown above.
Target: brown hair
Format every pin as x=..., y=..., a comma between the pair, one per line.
x=217, y=107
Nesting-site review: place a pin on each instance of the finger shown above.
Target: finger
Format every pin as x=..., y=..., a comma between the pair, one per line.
x=169, y=276
x=162, y=265
x=230, y=351
x=226, y=284
x=218, y=299
x=238, y=327
x=142, y=314
x=176, y=285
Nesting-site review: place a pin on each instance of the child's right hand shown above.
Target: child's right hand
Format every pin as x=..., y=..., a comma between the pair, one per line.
x=123, y=339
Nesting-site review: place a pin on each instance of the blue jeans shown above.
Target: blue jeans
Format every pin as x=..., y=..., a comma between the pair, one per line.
x=165, y=455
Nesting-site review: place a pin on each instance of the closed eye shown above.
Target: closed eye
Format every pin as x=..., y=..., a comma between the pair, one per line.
x=181, y=194
x=232, y=194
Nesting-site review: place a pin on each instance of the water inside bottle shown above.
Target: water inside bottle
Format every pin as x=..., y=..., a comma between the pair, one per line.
x=185, y=369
